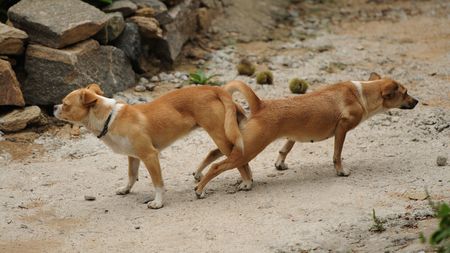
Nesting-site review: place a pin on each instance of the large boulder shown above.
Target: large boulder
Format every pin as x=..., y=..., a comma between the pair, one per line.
x=126, y=7
x=176, y=33
x=11, y=40
x=53, y=73
x=20, y=118
x=57, y=23
x=130, y=43
x=160, y=9
x=113, y=28
x=10, y=93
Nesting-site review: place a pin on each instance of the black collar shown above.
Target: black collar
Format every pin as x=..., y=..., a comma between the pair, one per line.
x=105, y=127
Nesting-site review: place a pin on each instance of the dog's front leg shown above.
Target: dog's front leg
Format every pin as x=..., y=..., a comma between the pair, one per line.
x=284, y=151
x=151, y=161
x=339, y=139
x=133, y=169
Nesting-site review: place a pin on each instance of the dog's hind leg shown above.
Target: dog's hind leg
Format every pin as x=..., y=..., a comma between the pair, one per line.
x=284, y=151
x=211, y=157
x=247, y=178
x=133, y=169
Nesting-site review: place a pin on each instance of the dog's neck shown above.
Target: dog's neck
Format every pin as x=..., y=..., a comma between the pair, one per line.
x=96, y=123
x=370, y=97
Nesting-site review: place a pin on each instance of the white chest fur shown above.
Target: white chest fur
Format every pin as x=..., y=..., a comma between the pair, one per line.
x=119, y=144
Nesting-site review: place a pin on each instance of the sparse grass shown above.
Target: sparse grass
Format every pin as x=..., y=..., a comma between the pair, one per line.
x=377, y=226
x=199, y=77
x=334, y=67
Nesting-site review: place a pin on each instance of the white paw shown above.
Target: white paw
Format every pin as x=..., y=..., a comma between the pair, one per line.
x=200, y=195
x=197, y=176
x=245, y=185
x=155, y=204
x=123, y=191
x=280, y=165
x=343, y=173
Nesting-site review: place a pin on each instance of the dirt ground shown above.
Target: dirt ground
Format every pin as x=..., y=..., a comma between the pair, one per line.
x=44, y=176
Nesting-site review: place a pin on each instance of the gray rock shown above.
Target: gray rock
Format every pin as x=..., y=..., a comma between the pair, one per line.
x=10, y=93
x=57, y=23
x=89, y=198
x=154, y=79
x=150, y=86
x=161, y=11
x=113, y=28
x=53, y=73
x=143, y=81
x=441, y=160
x=11, y=40
x=127, y=8
x=20, y=118
x=139, y=88
x=130, y=43
x=181, y=29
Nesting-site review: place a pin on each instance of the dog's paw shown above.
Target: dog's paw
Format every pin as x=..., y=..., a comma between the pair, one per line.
x=197, y=176
x=245, y=185
x=155, y=204
x=123, y=191
x=198, y=194
x=343, y=173
x=281, y=166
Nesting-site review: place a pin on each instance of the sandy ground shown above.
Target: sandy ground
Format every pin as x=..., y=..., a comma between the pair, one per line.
x=44, y=176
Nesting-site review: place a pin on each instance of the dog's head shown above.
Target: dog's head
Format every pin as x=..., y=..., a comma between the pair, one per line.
x=394, y=94
x=76, y=105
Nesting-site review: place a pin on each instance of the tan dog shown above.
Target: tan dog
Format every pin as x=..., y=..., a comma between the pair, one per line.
x=316, y=116
x=140, y=131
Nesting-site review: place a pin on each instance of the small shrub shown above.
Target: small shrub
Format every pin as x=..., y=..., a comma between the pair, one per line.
x=298, y=86
x=264, y=77
x=245, y=67
x=199, y=77
x=377, y=226
x=440, y=239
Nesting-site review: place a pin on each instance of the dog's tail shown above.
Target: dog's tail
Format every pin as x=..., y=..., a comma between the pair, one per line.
x=231, y=124
x=253, y=100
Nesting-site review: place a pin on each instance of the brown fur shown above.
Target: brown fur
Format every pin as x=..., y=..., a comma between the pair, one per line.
x=316, y=116
x=140, y=131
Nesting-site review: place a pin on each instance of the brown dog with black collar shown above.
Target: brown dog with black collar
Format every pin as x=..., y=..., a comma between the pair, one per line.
x=331, y=111
x=140, y=131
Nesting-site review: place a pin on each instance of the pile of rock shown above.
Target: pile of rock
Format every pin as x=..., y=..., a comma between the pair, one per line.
x=56, y=46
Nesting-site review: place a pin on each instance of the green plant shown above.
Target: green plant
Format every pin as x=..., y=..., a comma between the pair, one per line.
x=264, y=77
x=245, y=67
x=377, y=223
x=298, y=86
x=440, y=239
x=199, y=77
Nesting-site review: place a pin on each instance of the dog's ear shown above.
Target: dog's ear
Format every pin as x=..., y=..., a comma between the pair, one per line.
x=388, y=90
x=95, y=88
x=88, y=98
x=374, y=76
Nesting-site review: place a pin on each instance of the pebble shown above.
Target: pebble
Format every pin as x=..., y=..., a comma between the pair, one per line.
x=23, y=226
x=178, y=85
x=154, y=79
x=143, y=81
x=137, y=227
x=150, y=86
x=139, y=88
x=89, y=198
x=441, y=160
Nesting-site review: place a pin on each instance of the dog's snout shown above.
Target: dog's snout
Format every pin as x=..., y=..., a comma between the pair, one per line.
x=411, y=104
x=414, y=103
x=55, y=107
